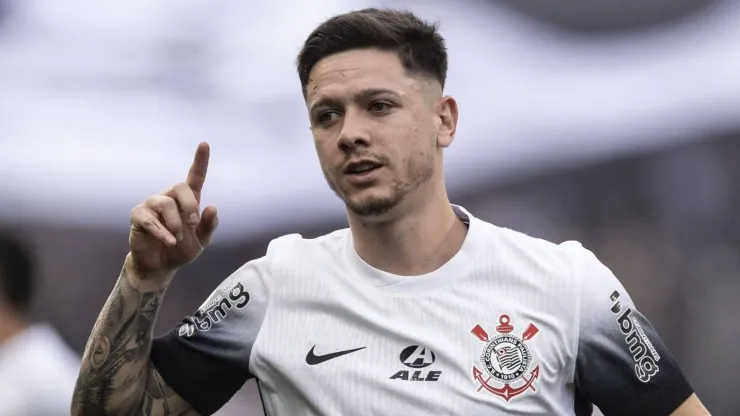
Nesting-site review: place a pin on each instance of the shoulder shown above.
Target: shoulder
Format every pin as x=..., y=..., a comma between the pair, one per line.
x=570, y=256
x=561, y=270
x=519, y=250
x=291, y=248
x=328, y=241
x=285, y=255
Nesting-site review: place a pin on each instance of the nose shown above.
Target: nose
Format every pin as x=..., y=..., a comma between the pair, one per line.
x=354, y=133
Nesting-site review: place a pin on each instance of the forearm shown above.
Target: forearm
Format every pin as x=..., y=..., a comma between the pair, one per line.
x=115, y=365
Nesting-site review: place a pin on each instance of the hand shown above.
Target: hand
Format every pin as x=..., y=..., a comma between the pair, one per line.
x=167, y=230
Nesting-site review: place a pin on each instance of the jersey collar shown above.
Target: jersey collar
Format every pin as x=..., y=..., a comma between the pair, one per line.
x=458, y=266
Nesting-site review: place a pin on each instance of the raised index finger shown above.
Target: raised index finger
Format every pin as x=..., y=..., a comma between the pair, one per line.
x=198, y=170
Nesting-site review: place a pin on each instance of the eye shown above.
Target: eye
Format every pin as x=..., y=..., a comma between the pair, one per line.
x=327, y=116
x=379, y=106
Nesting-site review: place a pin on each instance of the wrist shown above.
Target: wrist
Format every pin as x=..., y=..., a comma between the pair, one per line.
x=144, y=282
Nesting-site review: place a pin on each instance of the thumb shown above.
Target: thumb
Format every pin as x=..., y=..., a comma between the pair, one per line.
x=207, y=225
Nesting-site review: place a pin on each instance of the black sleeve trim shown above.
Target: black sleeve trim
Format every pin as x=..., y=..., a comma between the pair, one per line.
x=669, y=398
x=204, y=380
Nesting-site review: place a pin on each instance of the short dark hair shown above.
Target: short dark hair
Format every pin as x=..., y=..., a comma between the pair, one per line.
x=17, y=280
x=418, y=43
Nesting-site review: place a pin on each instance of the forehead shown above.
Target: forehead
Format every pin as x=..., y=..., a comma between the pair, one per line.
x=351, y=71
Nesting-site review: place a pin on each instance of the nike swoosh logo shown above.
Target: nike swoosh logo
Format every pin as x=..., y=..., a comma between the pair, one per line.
x=313, y=359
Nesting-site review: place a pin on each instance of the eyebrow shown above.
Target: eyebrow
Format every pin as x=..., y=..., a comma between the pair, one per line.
x=365, y=94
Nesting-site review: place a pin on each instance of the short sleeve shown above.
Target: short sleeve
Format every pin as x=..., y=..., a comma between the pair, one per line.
x=622, y=365
x=205, y=359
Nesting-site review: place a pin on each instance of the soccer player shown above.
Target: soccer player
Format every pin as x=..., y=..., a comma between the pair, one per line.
x=418, y=308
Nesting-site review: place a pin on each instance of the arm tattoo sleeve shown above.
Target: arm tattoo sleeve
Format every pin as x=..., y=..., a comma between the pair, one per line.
x=116, y=376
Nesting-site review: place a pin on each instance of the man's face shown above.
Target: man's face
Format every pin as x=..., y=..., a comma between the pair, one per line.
x=375, y=127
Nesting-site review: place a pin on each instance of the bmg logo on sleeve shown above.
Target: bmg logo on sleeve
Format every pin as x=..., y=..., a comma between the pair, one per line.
x=643, y=352
x=416, y=358
x=216, y=310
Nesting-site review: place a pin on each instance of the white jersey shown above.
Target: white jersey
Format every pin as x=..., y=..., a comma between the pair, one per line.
x=511, y=325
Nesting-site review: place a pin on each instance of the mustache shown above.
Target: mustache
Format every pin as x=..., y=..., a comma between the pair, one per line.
x=363, y=155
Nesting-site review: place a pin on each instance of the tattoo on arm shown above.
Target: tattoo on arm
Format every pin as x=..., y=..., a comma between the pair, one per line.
x=117, y=376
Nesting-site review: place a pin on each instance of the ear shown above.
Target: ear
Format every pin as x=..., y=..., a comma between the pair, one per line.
x=447, y=113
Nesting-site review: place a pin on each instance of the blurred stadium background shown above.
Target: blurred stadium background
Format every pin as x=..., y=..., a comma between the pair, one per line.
x=614, y=123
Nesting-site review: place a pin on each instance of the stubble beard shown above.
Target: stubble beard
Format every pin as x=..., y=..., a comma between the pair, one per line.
x=376, y=206
x=379, y=205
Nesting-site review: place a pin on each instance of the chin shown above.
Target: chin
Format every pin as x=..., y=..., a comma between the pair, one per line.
x=376, y=204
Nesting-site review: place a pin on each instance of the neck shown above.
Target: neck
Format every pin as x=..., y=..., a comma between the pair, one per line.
x=414, y=242
x=10, y=325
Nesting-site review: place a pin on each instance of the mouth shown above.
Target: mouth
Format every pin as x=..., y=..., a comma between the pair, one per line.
x=361, y=168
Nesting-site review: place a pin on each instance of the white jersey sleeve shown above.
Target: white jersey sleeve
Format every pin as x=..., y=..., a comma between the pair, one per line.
x=206, y=358
x=622, y=365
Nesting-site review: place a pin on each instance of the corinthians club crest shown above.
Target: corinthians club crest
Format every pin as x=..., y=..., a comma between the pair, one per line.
x=506, y=359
